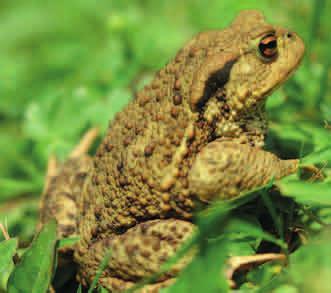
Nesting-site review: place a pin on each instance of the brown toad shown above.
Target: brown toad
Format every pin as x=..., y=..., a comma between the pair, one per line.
x=194, y=134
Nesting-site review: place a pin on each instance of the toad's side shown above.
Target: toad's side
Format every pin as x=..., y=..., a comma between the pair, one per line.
x=194, y=135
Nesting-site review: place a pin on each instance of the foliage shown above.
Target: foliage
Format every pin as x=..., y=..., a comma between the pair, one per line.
x=34, y=271
x=7, y=252
x=70, y=65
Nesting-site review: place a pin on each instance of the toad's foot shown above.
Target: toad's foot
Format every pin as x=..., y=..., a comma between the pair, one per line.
x=311, y=172
x=136, y=254
x=63, y=184
x=223, y=170
x=85, y=144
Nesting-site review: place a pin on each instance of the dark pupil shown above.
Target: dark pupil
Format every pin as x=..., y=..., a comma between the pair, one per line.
x=268, y=46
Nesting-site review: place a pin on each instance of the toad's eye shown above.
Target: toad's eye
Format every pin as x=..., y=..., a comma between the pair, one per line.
x=268, y=47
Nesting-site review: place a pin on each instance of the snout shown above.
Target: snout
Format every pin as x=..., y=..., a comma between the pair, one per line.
x=292, y=46
x=295, y=42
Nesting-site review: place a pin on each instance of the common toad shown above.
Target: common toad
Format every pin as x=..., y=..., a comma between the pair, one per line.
x=194, y=135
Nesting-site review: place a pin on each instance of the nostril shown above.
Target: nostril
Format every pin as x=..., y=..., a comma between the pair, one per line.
x=289, y=35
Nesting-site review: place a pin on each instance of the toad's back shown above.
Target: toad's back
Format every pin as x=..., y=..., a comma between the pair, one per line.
x=140, y=169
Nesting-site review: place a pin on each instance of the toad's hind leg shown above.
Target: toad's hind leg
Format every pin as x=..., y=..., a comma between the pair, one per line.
x=136, y=254
x=63, y=186
x=225, y=169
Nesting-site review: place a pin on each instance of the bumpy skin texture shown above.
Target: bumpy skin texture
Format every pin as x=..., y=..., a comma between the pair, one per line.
x=195, y=134
x=140, y=251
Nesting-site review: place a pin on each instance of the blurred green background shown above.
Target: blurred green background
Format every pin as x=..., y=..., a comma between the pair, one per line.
x=66, y=66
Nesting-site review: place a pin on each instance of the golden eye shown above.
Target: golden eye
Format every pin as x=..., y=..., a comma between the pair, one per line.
x=268, y=47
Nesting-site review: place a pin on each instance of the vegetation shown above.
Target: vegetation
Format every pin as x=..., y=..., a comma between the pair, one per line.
x=69, y=65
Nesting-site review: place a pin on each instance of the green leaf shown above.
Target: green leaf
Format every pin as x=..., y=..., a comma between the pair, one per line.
x=11, y=188
x=286, y=289
x=211, y=256
x=242, y=242
x=316, y=194
x=293, y=135
x=34, y=272
x=7, y=251
x=79, y=289
x=249, y=229
x=65, y=242
x=265, y=276
x=203, y=273
x=321, y=156
x=310, y=268
x=22, y=219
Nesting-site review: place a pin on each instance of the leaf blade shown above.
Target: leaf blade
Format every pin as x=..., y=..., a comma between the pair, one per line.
x=7, y=251
x=316, y=194
x=34, y=272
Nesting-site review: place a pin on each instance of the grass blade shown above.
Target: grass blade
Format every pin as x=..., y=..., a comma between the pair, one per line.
x=101, y=268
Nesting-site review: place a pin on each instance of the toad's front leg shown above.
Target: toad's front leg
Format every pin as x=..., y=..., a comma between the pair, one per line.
x=223, y=170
